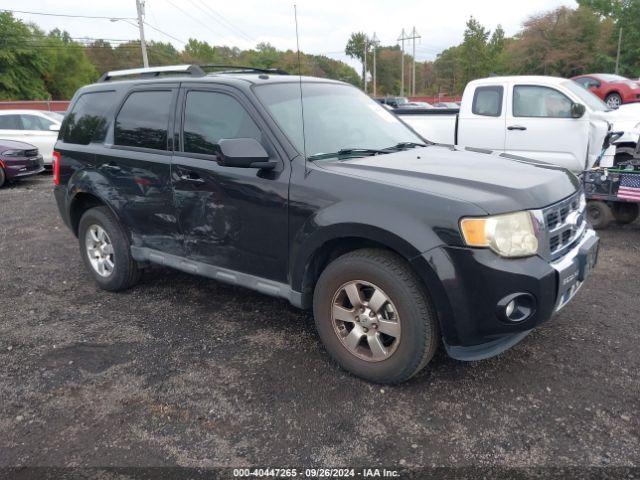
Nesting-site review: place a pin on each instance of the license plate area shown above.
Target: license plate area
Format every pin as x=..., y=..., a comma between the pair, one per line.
x=573, y=271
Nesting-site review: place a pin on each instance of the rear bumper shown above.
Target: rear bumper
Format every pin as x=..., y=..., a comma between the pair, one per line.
x=473, y=282
x=60, y=194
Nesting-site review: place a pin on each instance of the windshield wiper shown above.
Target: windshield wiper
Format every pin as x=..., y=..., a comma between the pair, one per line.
x=405, y=146
x=349, y=153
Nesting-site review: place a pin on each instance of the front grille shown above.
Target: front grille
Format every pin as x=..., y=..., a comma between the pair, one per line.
x=565, y=224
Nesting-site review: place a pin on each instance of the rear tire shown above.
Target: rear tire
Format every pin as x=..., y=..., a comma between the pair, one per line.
x=106, y=250
x=613, y=100
x=625, y=213
x=395, y=327
x=599, y=214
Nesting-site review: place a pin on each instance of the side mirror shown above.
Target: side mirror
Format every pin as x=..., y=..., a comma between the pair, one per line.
x=54, y=127
x=577, y=110
x=243, y=153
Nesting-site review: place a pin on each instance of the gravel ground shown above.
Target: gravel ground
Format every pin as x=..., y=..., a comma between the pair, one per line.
x=186, y=371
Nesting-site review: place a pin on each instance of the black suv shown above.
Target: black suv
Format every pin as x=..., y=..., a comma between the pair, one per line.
x=397, y=244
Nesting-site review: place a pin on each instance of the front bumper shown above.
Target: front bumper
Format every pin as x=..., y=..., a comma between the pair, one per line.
x=467, y=284
x=23, y=167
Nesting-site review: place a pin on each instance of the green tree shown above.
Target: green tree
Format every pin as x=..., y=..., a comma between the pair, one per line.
x=474, y=54
x=22, y=61
x=625, y=15
x=356, y=47
x=67, y=65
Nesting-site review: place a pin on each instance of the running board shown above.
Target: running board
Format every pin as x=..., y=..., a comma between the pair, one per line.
x=259, y=284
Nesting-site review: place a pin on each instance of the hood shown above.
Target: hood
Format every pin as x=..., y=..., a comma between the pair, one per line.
x=14, y=145
x=624, y=118
x=497, y=183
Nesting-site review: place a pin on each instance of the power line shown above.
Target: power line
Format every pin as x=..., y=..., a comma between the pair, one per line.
x=219, y=18
x=191, y=17
x=164, y=33
x=47, y=14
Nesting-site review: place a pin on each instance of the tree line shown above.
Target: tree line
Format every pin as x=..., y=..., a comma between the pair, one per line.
x=35, y=65
x=562, y=42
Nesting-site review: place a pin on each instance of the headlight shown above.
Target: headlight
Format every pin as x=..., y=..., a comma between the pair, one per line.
x=510, y=235
x=12, y=153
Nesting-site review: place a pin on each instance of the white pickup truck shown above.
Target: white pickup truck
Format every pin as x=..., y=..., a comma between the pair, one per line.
x=550, y=119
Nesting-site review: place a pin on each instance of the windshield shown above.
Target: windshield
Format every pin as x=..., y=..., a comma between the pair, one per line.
x=590, y=100
x=337, y=117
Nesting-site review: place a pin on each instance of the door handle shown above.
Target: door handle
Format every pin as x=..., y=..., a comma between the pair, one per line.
x=187, y=177
x=516, y=127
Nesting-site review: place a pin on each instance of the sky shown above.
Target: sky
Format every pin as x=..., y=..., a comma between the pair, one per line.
x=324, y=25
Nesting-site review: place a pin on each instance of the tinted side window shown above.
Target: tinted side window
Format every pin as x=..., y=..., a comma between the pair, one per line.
x=210, y=116
x=88, y=120
x=10, y=122
x=143, y=120
x=33, y=122
x=488, y=101
x=534, y=101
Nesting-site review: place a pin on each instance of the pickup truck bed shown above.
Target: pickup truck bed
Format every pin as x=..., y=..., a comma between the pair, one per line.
x=439, y=125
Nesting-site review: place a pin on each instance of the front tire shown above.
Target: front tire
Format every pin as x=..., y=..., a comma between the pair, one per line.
x=374, y=316
x=106, y=251
x=3, y=177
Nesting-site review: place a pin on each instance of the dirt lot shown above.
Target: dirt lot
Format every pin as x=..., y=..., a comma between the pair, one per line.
x=187, y=371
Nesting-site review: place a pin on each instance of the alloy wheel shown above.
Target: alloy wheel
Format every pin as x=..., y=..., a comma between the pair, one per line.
x=614, y=101
x=99, y=250
x=366, y=321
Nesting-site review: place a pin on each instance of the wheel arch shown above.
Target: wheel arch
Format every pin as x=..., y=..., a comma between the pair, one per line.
x=332, y=242
x=82, y=201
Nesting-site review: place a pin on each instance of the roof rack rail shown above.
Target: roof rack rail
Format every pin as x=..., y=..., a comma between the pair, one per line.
x=194, y=70
x=241, y=68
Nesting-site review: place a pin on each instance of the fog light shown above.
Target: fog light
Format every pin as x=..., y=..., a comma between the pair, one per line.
x=516, y=308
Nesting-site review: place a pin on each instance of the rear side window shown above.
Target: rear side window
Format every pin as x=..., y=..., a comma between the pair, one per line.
x=88, y=120
x=33, y=122
x=210, y=116
x=143, y=120
x=10, y=122
x=487, y=101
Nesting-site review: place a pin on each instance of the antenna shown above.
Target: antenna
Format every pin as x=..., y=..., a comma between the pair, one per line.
x=304, y=136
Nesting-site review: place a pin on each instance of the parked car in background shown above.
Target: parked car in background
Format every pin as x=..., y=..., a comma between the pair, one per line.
x=32, y=126
x=18, y=160
x=550, y=119
x=450, y=105
x=399, y=245
x=417, y=105
x=393, y=102
x=613, y=89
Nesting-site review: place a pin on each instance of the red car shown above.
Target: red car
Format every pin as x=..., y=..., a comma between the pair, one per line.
x=613, y=89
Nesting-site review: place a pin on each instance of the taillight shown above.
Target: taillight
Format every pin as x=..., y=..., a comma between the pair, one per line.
x=56, y=168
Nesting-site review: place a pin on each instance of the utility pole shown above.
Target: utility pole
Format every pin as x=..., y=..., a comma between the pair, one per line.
x=403, y=37
x=618, y=55
x=375, y=42
x=414, y=36
x=143, y=45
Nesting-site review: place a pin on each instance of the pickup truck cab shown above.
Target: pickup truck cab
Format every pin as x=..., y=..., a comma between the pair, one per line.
x=550, y=119
x=397, y=244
